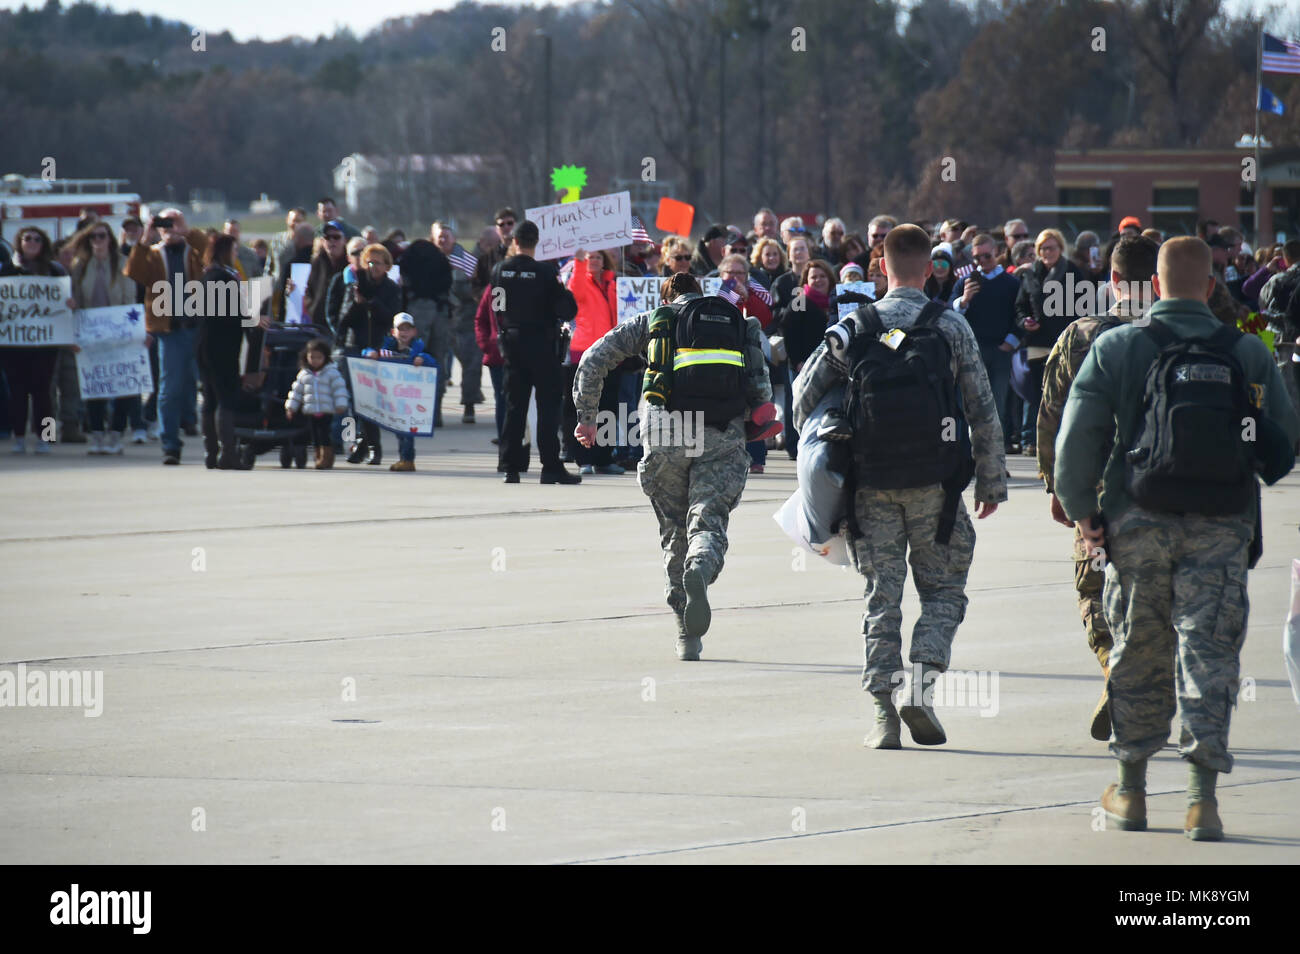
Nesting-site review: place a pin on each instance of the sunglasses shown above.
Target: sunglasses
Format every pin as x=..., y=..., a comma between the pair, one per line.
x=99, y=237
x=681, y=258
x=940, y=262
x=1020, y=236
x=31, y=238
x=879, y=235
x=506, y=225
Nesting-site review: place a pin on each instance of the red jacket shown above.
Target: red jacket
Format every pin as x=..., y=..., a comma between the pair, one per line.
x=485, y=330
x=755, y=307
x=597, y=307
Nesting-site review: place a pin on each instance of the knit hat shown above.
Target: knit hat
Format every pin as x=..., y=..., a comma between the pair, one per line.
x=852, y=267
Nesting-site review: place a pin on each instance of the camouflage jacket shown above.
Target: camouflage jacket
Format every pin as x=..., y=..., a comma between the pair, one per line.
x=631, y=338
x=1062, y=366
x=823, y=372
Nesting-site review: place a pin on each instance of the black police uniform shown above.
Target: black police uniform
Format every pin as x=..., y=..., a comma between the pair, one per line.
x=535, y=305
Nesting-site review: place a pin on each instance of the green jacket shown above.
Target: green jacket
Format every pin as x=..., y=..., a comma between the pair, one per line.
x=1105, y=404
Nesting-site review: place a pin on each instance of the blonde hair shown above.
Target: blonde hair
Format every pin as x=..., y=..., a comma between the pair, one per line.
x=756, y=256
x=1046, y=234
x=376, y=253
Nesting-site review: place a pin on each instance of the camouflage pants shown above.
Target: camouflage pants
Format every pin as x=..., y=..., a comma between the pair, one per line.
x=898, y=528
x=1087, y=585
x=693, y=497
x=1176, y=603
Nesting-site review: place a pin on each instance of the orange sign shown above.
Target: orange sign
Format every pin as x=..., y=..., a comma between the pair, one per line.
x=674, y=216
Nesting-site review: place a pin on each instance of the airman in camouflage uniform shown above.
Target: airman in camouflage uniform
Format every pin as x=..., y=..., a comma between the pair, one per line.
x=1059, y=372
x=693, y=480
x=898, y=526
x=1175, y=591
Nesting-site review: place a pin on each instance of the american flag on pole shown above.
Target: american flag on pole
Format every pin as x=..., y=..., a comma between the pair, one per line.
x=463, y=260
x=639, y=234
x=1279, y=56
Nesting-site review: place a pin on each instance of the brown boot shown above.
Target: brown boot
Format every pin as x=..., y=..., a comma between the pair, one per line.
x=1203, y=823
x=1127, y=812
x=324, y=458
x=1099, y=728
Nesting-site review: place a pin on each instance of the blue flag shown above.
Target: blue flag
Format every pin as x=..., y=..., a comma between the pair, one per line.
x=1268, y=103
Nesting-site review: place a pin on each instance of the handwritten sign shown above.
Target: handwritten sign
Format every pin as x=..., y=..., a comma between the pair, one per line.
x=395, y=395
x=849, y=307
x=113, y=361
x=34, y=313
x=593, y=223
x=637, y=295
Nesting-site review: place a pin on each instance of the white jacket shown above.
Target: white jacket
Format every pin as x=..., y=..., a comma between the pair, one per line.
x=323, y=392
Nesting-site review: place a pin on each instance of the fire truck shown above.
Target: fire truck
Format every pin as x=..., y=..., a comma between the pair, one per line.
x=56, y=205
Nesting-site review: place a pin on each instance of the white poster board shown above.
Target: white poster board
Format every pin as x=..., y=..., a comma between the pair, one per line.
x=637, y=295
x=298, y=273
x=847, y=308
x=593, y=223
x=113, y=361
x=34, y=312
x=396, y=395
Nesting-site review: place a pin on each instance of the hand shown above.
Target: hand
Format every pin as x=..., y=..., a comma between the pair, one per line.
x=742, y=289
x=1277, y=264
x=289, y=286
x=1093, y=536
x=1058, y=512
x=1005, y=347
x=969, y=289
x=71, y=304
x=585, y=434
x=985, y=509
x=253, y=380
x=264, y=322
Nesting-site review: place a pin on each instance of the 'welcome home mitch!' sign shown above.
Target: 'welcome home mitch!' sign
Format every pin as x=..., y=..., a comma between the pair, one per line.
x=34, y=312
x=594, y=223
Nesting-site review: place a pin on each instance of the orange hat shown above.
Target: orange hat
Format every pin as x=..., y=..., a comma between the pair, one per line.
x=1128, y=220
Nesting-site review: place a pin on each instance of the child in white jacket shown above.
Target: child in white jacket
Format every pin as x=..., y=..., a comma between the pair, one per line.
x=319, y=392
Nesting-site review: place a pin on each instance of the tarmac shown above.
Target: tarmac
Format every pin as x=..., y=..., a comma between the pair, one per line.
x=362, y=666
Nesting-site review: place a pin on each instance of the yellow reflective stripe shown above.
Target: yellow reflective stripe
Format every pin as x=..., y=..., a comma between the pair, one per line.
x=688, y=357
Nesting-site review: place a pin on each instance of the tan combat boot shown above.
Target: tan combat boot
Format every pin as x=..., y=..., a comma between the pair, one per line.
x=1127, y=812
x=1203, y=823
x=325, y=458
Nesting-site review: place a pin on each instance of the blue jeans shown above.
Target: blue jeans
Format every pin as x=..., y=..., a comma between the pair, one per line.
x=997, y=364
x=405, y=447
x=1029, y=426
x=177, y=384
x=497, y=373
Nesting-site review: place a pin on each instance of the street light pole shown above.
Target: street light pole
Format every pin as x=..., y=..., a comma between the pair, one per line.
x=722, y=124
x=548, y=194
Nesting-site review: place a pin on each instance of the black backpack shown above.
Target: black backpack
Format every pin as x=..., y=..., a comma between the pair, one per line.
x=1190, y=452
x=908, y=426
x=709, y=360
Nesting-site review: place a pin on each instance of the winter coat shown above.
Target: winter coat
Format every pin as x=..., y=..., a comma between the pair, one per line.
x=597, y=307
x=318, y=392
x=1035, y=289
x=486, y=333
x=121, y=290
x=369, y=321
x=147, y=266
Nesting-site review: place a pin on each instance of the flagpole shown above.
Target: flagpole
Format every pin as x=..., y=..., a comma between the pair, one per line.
x=1259, y=86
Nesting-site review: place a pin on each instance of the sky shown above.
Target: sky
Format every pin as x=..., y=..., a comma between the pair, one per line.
x=276, y=19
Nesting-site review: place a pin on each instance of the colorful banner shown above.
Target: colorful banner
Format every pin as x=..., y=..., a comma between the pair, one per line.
x=34, y=312
x=636, y=295
x=113, y=361
x=593, y=223
x=396, y=395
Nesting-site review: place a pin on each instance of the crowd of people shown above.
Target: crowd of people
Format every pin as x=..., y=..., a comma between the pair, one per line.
x=787, y=274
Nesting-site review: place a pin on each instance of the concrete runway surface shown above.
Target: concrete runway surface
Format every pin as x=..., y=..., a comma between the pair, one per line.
x=361, y=666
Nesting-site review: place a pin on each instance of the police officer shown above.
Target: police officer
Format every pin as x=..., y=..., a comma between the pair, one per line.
x=531, y=304
x=893, y=522
x=1132, y=264
x=1175, y=592
x=695, y=465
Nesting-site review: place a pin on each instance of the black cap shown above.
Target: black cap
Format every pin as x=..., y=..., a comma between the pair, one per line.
x=715, y=231
x=1217, y=241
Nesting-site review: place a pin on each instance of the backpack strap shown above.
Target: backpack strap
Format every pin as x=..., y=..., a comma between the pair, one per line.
x=1159, y=334
x=930, y=315
x=1225, y=338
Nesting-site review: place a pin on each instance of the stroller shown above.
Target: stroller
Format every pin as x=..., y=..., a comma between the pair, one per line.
x=261, y=430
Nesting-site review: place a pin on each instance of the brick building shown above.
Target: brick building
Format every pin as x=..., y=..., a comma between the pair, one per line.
x=1170, y=189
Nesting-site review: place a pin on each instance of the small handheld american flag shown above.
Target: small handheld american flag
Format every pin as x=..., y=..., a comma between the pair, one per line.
x=639, y=234
x=463, y=260
x=964, y=271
